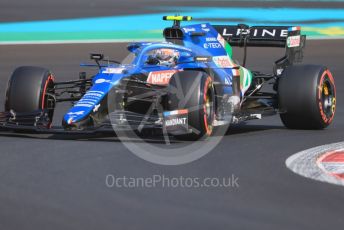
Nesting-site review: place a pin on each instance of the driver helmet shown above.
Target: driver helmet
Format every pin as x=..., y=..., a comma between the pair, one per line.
x=167, y=57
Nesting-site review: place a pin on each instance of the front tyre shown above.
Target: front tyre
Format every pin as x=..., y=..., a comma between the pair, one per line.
x=307, y=97
x=28, y=91
x=194, y=91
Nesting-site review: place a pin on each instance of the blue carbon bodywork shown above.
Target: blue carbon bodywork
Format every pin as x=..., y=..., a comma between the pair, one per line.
x=108, y=77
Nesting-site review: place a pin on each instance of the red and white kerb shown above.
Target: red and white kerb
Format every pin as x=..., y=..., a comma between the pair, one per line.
x=332, y=163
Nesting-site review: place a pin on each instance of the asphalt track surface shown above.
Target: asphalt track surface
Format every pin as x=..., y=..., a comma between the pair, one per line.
x=51, y=183
x=58, y=182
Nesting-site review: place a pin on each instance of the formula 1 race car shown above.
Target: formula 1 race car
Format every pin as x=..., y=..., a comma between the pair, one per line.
x=185, y=86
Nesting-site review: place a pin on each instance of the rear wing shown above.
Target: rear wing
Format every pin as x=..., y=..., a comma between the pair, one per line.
x=258, y=36
x=286, y=37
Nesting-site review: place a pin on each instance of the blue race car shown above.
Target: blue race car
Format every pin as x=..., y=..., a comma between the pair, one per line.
x=185, y=86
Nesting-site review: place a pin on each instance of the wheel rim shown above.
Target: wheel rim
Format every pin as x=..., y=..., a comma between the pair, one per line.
x=208, y=107
x=46, y=98
x=327, y=97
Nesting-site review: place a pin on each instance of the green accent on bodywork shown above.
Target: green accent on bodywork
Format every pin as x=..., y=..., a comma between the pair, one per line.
x=242, y=77
x=245, y=78
x=229, y=49
x=248, y=79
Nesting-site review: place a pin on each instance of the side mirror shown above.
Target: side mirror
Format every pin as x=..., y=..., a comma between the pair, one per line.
x=97, y=57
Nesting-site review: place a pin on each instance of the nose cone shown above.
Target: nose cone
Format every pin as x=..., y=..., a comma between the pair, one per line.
x=71, y=124
x=73, y=116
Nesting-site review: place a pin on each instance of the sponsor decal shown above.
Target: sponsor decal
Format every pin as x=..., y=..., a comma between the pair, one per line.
x=175, y=112
x=227, y=33
x=205, y=28
x=211, y=39
x=88, y=105
x=223, y=62
x=212, y=45
x=102, y=80
x=255, y=32
x=176, y=121
x=76, y=113
x=90, y=99
x=160, y=77
x=294, y=41
x=113, y=70
x=189, y=29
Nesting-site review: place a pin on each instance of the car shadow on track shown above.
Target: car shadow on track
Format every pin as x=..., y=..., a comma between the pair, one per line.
x=84, y=137
x=249, y=128
x=154, y=139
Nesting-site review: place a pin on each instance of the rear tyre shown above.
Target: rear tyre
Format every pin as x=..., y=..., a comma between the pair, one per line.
x=193, y=90
x=27, y=90
x=307, y=97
